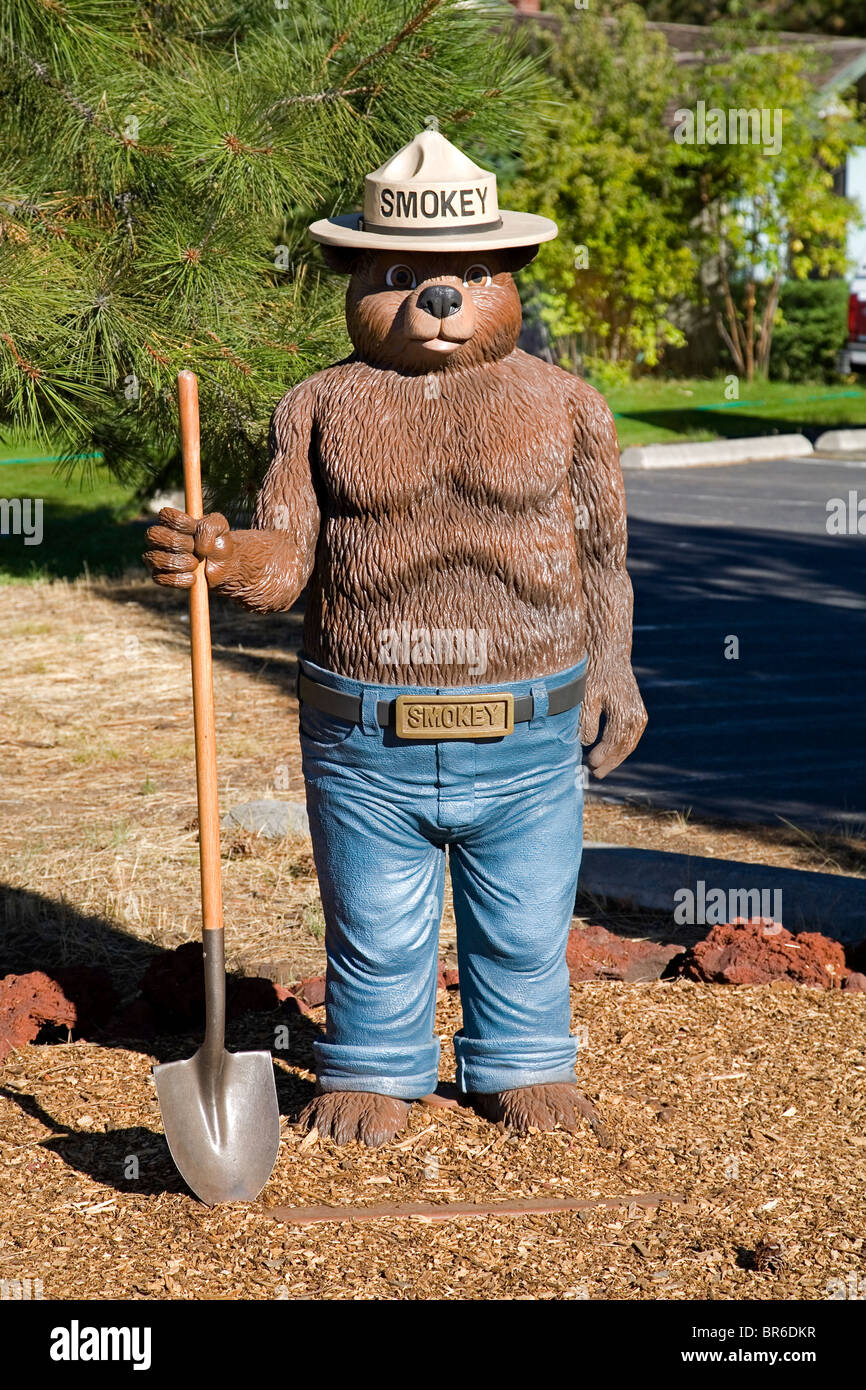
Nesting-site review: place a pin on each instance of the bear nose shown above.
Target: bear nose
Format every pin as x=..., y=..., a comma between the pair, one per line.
x=440, y=300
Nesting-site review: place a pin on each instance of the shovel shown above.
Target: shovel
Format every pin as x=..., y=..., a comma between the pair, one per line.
x=219, y=1109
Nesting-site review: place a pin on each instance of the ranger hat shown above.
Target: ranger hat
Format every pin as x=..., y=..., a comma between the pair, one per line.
x=430, y=196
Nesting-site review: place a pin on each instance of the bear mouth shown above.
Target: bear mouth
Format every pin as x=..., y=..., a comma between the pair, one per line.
x=439, y=344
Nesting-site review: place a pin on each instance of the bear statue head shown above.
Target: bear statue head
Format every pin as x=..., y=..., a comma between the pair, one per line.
x=424, y=311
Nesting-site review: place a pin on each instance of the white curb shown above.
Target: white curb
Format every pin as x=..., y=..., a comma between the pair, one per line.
x=716, y=451
x=841, y=441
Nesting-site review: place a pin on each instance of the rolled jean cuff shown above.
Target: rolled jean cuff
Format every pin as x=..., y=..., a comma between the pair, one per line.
x=383, y=1070
x=485, y=1065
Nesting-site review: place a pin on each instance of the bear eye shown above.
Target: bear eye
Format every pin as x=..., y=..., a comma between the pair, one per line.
x=401, y=277
x=477, y=275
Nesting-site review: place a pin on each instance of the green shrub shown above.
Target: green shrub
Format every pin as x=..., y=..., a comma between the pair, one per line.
x=810, y=331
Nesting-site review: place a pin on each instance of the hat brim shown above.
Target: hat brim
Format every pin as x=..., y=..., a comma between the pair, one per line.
x=517, y=229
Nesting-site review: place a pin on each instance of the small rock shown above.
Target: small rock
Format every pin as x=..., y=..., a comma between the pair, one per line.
x=311, y=991
x=854, y=981
x=757, y=952
x=79, y=997
x=593, y=953
x=27, y=1003
x=273, y=820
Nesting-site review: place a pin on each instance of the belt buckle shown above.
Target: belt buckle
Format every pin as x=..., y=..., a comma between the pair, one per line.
x=446, y=717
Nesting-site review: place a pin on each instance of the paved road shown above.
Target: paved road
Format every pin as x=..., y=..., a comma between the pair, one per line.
x=744, y=552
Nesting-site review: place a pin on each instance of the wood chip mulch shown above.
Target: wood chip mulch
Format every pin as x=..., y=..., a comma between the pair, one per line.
x=748, y=1103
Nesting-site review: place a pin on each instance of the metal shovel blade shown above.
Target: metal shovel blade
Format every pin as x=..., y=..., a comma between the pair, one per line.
x=221, y=1122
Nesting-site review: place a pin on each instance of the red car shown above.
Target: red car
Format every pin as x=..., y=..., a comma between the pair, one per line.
x=853, y=355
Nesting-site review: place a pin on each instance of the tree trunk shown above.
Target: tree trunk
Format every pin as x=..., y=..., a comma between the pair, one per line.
x=732, y=335
x=766, y=337
x=749, y=330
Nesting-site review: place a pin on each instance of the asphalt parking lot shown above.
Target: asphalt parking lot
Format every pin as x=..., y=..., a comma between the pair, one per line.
x=739, y=560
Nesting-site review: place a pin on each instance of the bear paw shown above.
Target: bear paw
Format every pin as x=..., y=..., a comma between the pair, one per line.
x=540, y=1107
x=362, y=1115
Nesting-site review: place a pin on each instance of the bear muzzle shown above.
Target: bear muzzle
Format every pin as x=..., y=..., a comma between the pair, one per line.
x=441, y=301
x=440, y=315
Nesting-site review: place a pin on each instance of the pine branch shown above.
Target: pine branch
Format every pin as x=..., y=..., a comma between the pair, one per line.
x=409, y=28
x=21, y=362
x=315, y=98
x=81, y=108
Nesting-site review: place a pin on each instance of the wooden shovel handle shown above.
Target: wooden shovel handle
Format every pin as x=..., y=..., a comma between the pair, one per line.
x=202, y=671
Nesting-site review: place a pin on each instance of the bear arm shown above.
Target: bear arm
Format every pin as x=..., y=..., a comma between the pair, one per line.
x=271, y=563
x=598, y=498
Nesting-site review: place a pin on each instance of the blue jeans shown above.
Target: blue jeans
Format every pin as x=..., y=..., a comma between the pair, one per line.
x=382, y=811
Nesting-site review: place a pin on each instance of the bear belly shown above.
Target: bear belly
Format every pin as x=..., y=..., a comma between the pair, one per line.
x=401, y=605
x=447, y=553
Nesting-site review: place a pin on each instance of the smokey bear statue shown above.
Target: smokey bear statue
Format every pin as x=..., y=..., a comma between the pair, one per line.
x=457, y=508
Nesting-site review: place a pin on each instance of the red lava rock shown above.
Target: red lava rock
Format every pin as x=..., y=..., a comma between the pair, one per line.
x=445, y=1097
x=293, y=1005
x=447, y=979
x=593, y=953
x=857, y=957
x=136, y=1020
x=27, y=1002
x=173, y=987
x=312, y=991
x=252, y=995
x=91, y=991
x=855, y=981
x=759, y=951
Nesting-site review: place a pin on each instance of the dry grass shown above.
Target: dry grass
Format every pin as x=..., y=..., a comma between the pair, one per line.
x=749, y=1102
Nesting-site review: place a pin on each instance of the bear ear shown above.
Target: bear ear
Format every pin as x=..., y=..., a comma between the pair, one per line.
x=343, y=259
x=516, y=257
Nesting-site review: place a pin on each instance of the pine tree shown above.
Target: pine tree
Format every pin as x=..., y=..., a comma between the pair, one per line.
x=160, y=164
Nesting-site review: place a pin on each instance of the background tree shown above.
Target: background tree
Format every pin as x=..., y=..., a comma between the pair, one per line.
x=767, y=216
x=805, y=16
x=160, y=163
x=606, y=169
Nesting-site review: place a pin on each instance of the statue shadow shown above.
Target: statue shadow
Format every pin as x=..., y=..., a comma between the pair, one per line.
x=258, y=644
x=80, y=951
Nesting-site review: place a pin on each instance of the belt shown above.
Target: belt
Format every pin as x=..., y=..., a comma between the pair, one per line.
x=488, y=715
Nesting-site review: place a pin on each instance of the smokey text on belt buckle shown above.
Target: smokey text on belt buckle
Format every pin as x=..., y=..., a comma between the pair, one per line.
x=454, y=716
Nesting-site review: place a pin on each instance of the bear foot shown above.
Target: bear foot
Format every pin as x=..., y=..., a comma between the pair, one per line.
x=347, y=1115
x=540, y=1107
